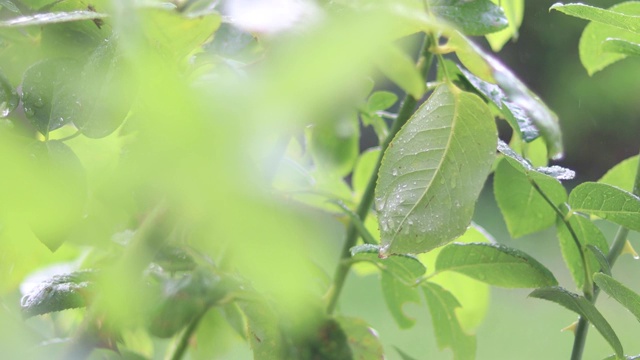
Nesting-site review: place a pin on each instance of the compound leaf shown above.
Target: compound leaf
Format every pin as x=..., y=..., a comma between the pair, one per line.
x=623, y=174
x=403, y=267
x=603, y=16
x=432, y=173
x=495, y=264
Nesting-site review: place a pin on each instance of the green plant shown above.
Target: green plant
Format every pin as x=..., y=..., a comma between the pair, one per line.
x=177, y=182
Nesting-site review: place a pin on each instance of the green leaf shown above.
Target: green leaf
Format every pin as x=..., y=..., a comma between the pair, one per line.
x=432, y=173
x=263, y=330
x=381, y=100
x=51, y=18
x=607, y=202
x=592, y=54
x=525, y=211
x=396, y=293
x=333, y=144
x=9, y=98
x=107, y=92
x=607, y=17
x=362, y=339
x=472, y=294
x=514, y=11
x=9, y=5
x=57, y=200
x=442, y=306
x=48, y=93
x=514, y=114
x=495, y=264
x=621, y=46
x=405, y=268
x=623, y=174
x=61, y=292
x=584, y=308
x=625, y=296
x=588, y=234
x=473, y=18
x=490, y=69
x=401, y=69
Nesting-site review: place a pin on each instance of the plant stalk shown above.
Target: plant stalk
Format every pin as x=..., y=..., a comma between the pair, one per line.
x=178, y=353
x=614, y=252
x=406, y=110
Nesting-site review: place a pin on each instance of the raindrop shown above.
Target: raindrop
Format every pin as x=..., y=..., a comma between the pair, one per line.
x=410, y=222
x=29, y=111
x=38, y=102
x=394, y=172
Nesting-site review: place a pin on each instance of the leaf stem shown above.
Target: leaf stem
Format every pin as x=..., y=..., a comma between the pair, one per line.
x=614, y=252
x=406, y=110
x=75, y=134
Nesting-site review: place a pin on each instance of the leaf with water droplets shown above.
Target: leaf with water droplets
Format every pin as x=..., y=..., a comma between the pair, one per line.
x=607, y=202
x=48, y=89
x=9, y=98
x=61, y=292
x=490, y=69
x=473, y=18
x=514, y=114
x=584, y=308
x=495, y=264
x=625, y=296
x=442, y=306
x=432, y=173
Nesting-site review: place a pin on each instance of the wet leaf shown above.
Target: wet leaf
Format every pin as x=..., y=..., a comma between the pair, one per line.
x=600, y=258
x=449, y=334
x=622, y=294
x=433, y=171
x=473, y=18
x=404, y=267
x=51, y=18
x=514, y=114
x=514, y=11
x=495, y=264
x=582, y=307
x=592, y=54
x=588, y=234
x=48, y=93
x=607, y=202
x=61, y=292
x=362, y=339
x=623, y=174
x=381, y=100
